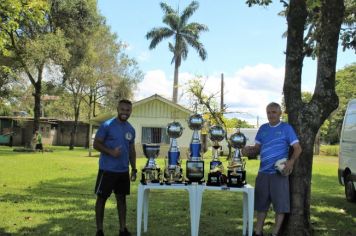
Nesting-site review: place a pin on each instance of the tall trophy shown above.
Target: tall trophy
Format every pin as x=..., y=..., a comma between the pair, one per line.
x=195, y=163
x=216, y=176
x=236, y=174
x=151, y=173
x=173, y=172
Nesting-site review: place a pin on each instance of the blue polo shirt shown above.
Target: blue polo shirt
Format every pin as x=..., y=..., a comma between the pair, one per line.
x=275, y=142
x=116, y=134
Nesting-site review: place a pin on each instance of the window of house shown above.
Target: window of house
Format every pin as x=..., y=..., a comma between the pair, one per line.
x=154, y=135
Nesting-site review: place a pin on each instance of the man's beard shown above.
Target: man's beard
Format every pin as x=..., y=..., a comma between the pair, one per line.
x=123, y=117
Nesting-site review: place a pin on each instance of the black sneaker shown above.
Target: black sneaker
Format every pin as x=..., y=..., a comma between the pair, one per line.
x=100, y=232
x=125, y=233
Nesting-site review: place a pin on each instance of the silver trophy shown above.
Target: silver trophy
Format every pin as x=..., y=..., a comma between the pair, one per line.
x=195, y=163
x=216, y=176
x=151, y=173
x=236, y=170
x=173, y=170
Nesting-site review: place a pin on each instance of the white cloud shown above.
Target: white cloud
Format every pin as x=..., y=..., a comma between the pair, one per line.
x=154, y=82
x=247, y=91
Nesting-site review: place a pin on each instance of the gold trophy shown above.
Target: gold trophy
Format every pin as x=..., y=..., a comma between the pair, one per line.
x=216, y=176
x=173, y=172
x=236, y=174
x=151, y=173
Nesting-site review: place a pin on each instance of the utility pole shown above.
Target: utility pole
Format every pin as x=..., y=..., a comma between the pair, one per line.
x=222, y=93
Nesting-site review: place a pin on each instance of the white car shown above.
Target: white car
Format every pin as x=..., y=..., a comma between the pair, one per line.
x=347, y=153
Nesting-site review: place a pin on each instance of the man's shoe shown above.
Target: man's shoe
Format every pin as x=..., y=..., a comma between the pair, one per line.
x=254, y=234
x=125, y=233
x=100, y=232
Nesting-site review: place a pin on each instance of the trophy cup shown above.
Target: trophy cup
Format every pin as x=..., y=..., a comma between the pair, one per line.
x=195, y=163
x=151, y=172
x=236, y=174
x=173, y=171
x=216, y=176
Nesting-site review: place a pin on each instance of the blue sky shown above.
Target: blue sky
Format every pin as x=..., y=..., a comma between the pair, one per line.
x=244, y=43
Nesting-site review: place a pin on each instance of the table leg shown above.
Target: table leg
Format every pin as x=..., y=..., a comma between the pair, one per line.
x=146, y=194
x=251, y=202
x=139, y=209
x=199, y=198
x=192, y=207
x=245, y=213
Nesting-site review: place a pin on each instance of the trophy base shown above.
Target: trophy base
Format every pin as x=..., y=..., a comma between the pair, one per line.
x=195, y=171
x=236, y=178
x=216, y=179
x=173, y=176
x=167, y=182
x=195, y=181
x=151, y=176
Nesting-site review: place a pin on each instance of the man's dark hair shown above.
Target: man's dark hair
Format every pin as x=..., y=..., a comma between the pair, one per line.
x=275, y=105
x=125, y=101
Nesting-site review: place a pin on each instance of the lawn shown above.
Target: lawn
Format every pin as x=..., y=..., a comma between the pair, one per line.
x=52, y=194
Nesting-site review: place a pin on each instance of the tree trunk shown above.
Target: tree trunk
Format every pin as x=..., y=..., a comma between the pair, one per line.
x=307, y=118
x=175, y=82
x=37, y=95
x=317, y=143
x=73, y=133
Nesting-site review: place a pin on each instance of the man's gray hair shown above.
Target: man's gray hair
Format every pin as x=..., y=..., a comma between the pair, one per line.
x=275, y=105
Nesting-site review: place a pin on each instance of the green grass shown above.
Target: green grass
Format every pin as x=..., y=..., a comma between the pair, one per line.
x=52, y=194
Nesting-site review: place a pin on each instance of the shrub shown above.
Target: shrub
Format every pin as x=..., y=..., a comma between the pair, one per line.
x=329, y=150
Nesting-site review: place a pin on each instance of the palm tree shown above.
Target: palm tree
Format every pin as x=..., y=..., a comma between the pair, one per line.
x=184, y=35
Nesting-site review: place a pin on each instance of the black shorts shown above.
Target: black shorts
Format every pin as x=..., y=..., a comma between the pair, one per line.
x=108, y=182
x=39, y=146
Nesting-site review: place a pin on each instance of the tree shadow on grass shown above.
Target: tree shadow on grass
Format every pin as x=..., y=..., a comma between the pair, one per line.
x=64, y=206
x=331, y=213
x=10, y=152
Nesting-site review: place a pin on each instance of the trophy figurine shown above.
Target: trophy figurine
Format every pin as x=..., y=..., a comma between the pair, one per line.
x=195, y=163
x=151, y=172
x=216, y=176
x=236, y=174
x=173, y=170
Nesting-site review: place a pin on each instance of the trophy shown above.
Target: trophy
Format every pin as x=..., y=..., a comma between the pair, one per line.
x=173, y=171
x=151, y=172
x=195, y=163
x=216, y=176
x=236, y=174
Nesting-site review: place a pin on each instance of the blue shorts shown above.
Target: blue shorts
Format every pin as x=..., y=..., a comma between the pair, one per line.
x=108, y=182
x=272, y=188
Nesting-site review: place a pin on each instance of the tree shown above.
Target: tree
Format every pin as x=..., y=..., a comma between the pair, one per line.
x=345, y=89
x=323, y=20
x=79, y=25
x=185, y=34
x=29, y=42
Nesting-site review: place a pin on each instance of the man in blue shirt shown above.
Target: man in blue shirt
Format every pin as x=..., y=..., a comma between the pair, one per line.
x=272, y=142
x=115, y=140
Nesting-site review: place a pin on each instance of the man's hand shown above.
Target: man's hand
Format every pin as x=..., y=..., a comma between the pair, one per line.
x=288, y=167
x=250, y=151
x=133, y=175
x=116, y=152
